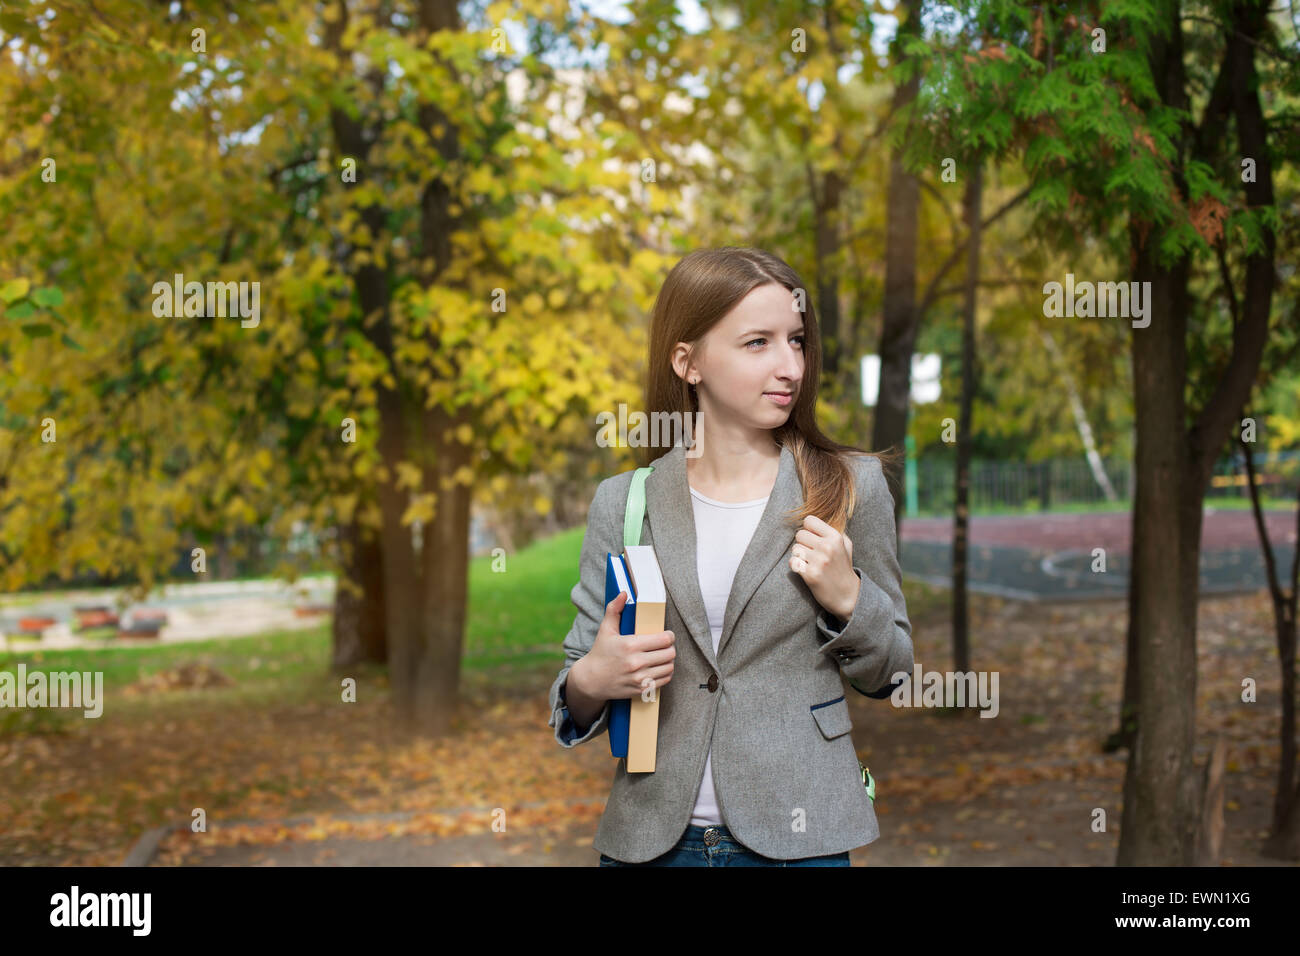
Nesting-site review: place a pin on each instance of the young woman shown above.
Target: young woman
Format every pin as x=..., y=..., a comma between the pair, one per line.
x=778, y=549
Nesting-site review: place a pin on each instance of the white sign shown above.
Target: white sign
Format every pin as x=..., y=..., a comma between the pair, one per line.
x=925, y=379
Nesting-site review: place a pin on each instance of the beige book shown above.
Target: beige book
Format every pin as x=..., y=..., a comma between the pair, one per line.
x=651, y=604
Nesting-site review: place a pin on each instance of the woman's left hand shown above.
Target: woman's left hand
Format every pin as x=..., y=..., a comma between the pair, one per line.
x=823, y=557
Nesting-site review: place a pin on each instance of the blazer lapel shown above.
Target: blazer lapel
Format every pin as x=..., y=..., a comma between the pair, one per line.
x=672, y=525
x=671, y=514
x=771, y=543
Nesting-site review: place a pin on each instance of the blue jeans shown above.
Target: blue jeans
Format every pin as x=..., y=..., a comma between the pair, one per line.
x=715, y=846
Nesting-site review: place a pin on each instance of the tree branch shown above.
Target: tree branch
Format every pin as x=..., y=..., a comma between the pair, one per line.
x=955, y=256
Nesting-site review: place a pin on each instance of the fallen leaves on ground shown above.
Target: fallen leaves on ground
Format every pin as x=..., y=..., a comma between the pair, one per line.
x=1012, y=787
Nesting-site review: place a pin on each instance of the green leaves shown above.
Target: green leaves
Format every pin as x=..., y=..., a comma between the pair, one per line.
x=14, y=289
x=23, y=302
x=15, y=24
x=48, y=297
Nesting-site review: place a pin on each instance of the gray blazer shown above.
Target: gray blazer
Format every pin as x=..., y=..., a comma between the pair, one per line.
x=784, y=766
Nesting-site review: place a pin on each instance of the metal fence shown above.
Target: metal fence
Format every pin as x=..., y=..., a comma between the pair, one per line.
x=1063, y=484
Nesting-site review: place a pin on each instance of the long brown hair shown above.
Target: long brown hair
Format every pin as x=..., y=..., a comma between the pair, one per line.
x=698, y=292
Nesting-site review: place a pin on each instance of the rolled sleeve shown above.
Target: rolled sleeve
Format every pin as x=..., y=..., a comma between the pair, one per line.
x=566, y=730
x=588, y=596
x=875, y=643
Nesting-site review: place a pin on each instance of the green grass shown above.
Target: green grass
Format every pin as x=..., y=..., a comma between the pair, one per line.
x=517, y=623
x=280, y=666
x=527, y=605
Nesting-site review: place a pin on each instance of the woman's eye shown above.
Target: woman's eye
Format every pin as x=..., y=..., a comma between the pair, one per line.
x=798, y=339
x=752, y=341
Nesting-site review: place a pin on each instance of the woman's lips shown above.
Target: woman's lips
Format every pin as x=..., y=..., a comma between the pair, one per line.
x=782, y=400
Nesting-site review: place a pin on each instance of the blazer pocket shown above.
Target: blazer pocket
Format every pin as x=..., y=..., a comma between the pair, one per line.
x=832, y=717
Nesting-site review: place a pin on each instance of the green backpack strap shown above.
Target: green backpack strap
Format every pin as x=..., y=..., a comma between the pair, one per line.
x=867, y=781
x=635, y=513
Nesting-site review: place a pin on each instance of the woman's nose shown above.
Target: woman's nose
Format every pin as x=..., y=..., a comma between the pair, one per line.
x=793, y=364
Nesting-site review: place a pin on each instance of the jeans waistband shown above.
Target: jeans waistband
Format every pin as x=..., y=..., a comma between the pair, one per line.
x=694, y=834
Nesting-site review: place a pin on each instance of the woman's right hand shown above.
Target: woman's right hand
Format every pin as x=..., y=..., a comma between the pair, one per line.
x=619, y=666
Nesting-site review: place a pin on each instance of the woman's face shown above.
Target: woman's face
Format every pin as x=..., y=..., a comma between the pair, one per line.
x=756, y=350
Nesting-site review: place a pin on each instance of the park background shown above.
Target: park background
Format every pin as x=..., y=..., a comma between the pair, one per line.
x=457, y=216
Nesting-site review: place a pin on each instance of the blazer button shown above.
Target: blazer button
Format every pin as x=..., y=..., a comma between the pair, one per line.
x=713, y=683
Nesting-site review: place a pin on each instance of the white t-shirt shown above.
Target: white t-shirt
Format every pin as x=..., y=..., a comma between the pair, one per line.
x=723, y=530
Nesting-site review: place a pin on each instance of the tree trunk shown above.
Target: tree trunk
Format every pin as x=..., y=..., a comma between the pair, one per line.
x=826, y=211
x=402, y=591
x=1284, y=835
x=444, y=564
x=1174, y=464
x=1124, y=734
x=1160, y=826
x=358, y=630
x=1209, y=843
x=961, y=509
x=899, y=320
x=426, y=674
x=424, y=586
x=1081, y=423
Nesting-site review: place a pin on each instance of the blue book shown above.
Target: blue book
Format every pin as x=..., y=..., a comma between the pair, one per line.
x=616, y=582
x=634, y=722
